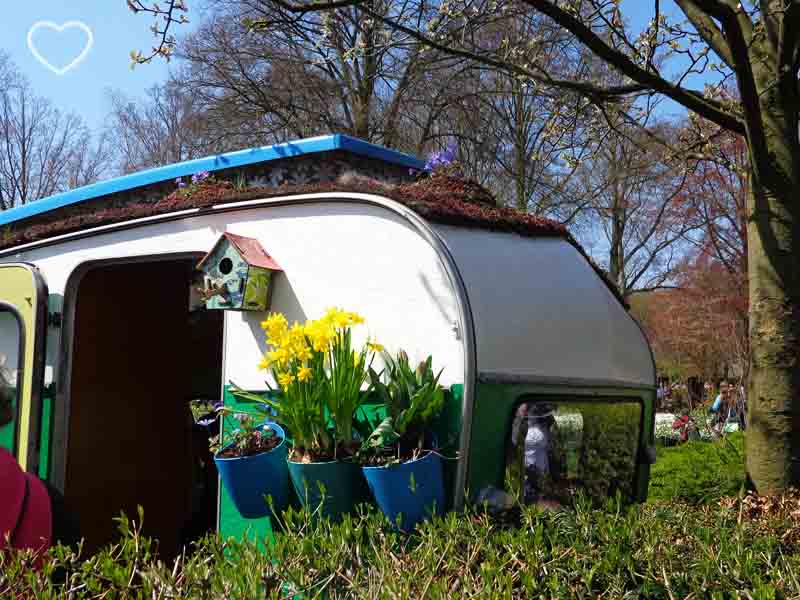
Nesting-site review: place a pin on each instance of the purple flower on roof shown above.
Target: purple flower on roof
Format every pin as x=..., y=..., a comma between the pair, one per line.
x=198, y=177
x=442, y=158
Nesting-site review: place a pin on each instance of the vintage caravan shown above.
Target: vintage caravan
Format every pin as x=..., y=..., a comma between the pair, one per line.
x=105, y=345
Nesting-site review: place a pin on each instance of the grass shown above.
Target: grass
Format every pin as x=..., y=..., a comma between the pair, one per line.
x=660, y=550
x=699, y=472
x=689, y=540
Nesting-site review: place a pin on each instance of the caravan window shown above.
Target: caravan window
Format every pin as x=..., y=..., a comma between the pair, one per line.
x=10, y=337
x=559, y=448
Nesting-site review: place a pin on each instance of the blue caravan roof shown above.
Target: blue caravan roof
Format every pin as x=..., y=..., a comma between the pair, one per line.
x=227, y=160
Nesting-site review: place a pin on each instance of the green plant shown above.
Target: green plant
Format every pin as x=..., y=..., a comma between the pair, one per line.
x=653, y=551
x=250, y=437
x=240, y=182
x=344, y=389
x=698, y=471
x=412, y=399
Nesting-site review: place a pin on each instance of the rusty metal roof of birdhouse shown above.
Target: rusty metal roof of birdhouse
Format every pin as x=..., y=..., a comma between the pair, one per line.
x=250, y=250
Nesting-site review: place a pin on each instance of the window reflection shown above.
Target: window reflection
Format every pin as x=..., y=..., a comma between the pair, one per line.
x=559, y=448
x=9, y=370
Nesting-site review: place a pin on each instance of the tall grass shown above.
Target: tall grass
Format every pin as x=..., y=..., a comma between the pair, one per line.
x=639, y=551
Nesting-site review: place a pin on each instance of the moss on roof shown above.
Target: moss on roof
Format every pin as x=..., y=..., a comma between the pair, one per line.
x=440, y=199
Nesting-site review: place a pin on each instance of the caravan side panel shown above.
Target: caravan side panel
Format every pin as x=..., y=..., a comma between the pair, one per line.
x=540, y=310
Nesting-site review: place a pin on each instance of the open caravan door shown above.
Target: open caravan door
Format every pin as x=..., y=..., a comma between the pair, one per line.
x=23, y=324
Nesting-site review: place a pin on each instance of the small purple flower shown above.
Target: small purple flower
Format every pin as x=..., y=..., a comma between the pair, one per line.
x=181, y=183
x=217, y=406
x=442, y=158
x=198, y=177
x=206, y=422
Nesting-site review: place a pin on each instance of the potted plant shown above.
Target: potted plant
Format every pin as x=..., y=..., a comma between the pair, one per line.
x=251, y=461
x=322, y=381
x=402, y=469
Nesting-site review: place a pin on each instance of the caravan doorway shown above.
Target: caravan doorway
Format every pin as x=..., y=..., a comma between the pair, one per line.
x=139, y=356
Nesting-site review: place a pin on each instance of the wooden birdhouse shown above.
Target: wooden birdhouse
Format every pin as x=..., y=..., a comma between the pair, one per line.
x=238, y=274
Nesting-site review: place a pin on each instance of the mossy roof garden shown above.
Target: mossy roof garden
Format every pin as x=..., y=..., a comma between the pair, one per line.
x=212, y=164
x=440, y=198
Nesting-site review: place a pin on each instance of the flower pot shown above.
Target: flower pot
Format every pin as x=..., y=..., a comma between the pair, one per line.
x=250, y=479
x=413, y=489
x=343, y=482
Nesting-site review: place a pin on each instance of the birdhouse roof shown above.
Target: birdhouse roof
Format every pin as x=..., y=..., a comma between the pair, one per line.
x=249, y=249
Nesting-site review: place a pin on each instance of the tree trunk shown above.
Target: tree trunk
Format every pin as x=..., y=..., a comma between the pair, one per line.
x=773, y=434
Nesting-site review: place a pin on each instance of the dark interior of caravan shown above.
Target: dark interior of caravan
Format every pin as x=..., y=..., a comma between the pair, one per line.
x=139, y=356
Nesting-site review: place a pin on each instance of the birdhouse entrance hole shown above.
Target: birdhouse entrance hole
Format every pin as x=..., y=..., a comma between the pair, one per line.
x=225, y=266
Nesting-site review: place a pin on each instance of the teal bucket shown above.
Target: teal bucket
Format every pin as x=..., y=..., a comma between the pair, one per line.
x=250, y=479
x=343, y=482
x=411, y=491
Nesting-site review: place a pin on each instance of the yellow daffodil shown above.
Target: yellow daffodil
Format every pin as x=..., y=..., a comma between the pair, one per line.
x=265, y=363
x=341, y=320
x=375, y=346
x=296, y=334
x=276, y=328
x=285, y=379
x=304, y=374
x=281, y=356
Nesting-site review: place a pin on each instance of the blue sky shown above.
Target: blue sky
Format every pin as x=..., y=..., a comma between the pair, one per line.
x=116, y=32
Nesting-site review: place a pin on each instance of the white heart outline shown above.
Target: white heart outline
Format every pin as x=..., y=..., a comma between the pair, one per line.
x=60, y=29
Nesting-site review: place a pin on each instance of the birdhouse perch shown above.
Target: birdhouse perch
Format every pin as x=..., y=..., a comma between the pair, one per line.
x=237, y=274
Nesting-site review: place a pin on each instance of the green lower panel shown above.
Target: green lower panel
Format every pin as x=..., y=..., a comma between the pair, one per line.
x=493, y=415
x=7, y=435
x=231, y=522
x=46, y=432
x=7, y=430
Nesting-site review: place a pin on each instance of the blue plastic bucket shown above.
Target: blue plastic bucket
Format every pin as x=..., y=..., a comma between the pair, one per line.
x=342, y=481
x=413, y=489
x=250, y=479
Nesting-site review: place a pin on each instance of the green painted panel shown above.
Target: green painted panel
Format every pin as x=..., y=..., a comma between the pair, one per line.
x=493, y=416
x=231, y=522
x=7, y=430
x=46, y=432
x=10, y=365
x=448, y=429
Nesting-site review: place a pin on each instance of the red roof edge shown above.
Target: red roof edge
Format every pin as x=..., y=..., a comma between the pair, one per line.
x=252, y=251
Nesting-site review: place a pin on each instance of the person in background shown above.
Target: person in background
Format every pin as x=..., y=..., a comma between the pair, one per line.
x=33, y=515
x=724, y=405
